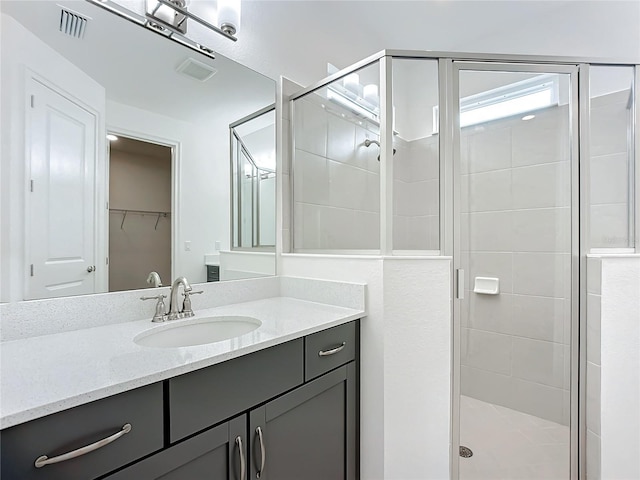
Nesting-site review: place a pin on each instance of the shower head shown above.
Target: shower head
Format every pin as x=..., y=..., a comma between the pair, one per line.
x=368, y=142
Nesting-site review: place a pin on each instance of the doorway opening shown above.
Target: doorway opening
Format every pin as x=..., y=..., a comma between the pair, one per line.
x=140, y=210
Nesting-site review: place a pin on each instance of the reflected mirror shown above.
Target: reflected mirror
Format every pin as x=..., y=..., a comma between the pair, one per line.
x=85, y=214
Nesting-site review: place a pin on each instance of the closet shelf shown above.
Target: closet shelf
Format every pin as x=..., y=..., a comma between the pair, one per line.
x=126, y=212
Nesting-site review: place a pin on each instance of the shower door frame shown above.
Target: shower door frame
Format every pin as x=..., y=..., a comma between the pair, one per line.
x=452, y=178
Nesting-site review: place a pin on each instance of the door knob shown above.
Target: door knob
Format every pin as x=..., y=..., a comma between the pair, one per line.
x=91, y=268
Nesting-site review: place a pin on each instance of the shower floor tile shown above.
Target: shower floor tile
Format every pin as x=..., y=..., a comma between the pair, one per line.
x=511, y=445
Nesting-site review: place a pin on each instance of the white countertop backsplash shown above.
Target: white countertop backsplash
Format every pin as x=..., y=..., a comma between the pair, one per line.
x=60, y=353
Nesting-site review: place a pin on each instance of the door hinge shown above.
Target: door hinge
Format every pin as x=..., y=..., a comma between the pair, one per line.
x=107, y=205
x=32, y=269
x=107, y=261
x=31, y=185
x=33, y=101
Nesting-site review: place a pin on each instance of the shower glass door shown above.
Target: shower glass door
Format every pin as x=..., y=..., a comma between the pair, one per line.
x=515, y=248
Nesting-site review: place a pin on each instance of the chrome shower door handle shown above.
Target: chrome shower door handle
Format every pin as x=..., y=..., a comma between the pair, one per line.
x=243, y=465
x=263, y=453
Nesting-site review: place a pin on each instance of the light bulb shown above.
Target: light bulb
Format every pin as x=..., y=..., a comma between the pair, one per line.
x=371, y=93
x=351, y=82
x=229, y=16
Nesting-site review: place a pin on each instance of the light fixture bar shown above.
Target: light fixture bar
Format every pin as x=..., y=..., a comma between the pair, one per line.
x=195, y=18
x=145, y=21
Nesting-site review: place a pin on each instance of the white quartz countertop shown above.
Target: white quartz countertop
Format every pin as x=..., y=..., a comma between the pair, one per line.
x=50, y=373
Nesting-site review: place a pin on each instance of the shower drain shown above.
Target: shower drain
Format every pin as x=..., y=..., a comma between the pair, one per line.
x=465, y=452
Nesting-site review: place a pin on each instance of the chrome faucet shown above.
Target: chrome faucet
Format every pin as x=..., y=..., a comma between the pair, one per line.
x=174, y=311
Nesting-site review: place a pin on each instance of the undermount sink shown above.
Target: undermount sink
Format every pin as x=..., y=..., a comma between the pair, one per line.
x=197, y=331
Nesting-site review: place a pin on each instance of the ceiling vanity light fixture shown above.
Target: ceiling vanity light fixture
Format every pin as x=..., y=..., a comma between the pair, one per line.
x=173, y=15
x=170, y=18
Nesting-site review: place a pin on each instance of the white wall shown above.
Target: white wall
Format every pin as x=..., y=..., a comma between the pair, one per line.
x=34, y=55
x=620, y=367
x=417, y=367
x=236, y=264
x=594, y=405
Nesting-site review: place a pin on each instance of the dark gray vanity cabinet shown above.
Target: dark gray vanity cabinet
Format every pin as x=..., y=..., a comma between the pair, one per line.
x=309, y=433
x=219, y=453
x=288, y=412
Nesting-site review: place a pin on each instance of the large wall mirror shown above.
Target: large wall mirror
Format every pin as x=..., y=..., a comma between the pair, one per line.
x=117, y=155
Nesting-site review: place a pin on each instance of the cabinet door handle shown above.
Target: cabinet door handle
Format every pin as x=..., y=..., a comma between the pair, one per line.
x=333, y=351
x=44, y=460
x=263, y=453
x=243, y=467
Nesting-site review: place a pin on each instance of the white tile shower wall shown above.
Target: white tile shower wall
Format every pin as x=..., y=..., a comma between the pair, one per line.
x=610, y=171
x=416, y=193
x=336, y=179
x=516, y=227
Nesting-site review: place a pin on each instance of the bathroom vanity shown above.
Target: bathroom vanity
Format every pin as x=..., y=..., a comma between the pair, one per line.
x=279, y=403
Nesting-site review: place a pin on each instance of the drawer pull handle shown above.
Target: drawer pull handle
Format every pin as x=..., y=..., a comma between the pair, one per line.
x=44, y=460
x=243, y=468
x=263, y=453
x=333, y=351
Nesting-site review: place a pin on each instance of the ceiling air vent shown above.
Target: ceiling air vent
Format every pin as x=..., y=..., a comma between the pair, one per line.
x=72, y=24
x=195, y=69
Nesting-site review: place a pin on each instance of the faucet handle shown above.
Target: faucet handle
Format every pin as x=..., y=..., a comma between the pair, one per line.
x=158, y=316
x=155, y=297
x=187, y=311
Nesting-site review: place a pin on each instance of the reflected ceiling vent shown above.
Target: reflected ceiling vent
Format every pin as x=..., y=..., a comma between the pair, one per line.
x=73, y=24
x=195, y=69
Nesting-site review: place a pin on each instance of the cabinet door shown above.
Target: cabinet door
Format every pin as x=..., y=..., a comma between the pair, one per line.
x=219, y=453
x=309, y=433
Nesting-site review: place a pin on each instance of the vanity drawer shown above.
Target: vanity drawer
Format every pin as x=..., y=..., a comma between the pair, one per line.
x=66, y=431
x=205, y=397
x=329, y=349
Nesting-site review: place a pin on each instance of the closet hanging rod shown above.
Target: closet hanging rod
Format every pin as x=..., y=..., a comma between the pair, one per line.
x=139, y=212
x=125, y=212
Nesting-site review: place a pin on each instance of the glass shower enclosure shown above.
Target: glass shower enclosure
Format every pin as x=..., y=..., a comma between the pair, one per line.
x=516, y=167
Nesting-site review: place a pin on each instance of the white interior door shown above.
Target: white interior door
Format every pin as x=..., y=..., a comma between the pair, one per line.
x=61, y=202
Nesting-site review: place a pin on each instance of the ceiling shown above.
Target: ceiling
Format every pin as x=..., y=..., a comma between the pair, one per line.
x=297, y=38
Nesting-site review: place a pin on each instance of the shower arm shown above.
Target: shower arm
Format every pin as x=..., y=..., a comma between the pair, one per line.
x=368, y=142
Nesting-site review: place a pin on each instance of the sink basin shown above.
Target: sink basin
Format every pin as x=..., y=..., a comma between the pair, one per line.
x=197, y=331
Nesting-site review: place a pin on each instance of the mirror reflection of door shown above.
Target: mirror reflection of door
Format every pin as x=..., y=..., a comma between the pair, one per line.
x=139, y=212
x=60, y=219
